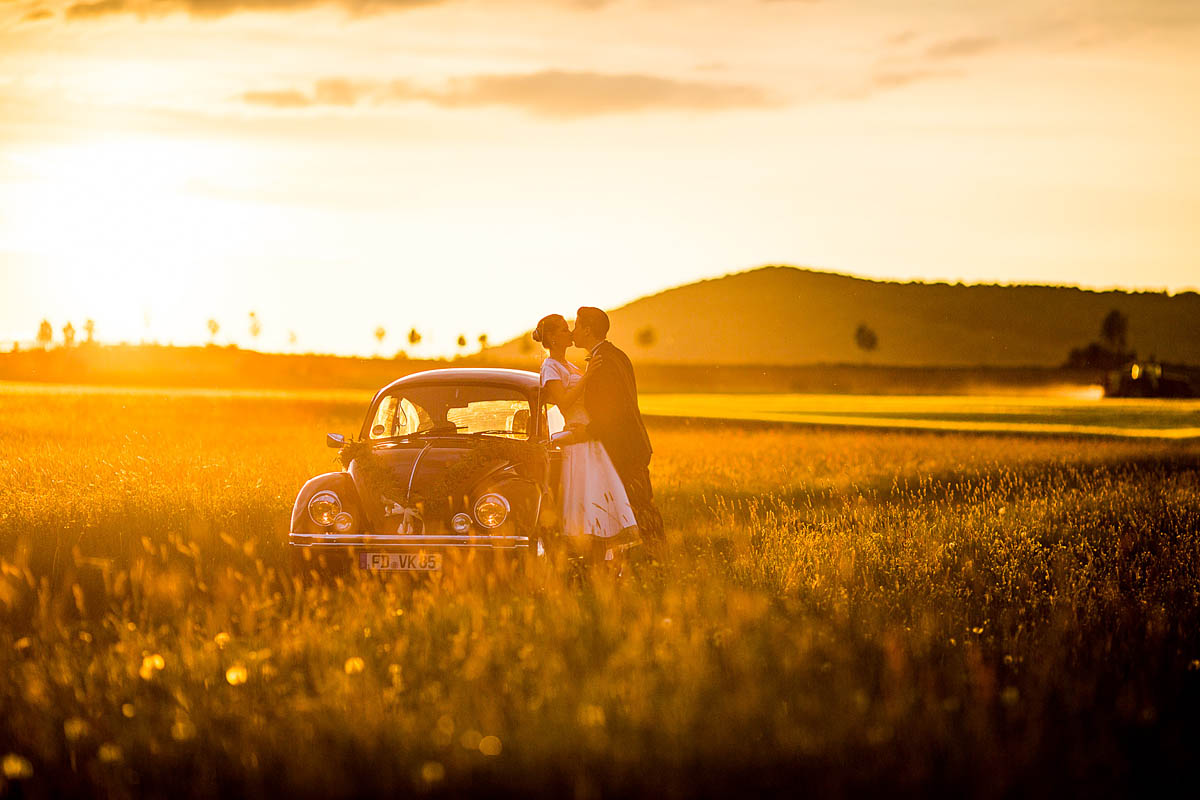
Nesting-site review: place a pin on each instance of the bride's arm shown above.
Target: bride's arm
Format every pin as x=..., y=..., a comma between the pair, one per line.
x=562, y=397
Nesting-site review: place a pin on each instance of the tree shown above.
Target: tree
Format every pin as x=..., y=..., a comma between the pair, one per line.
x=213, y=327
x=89, y=328
x=865, y=338
x=292, y=338
x=646, y=337
x=68, y=335
x=45, y=334
x=255, y=325
x=414, y=338
x=380, y=334
x=1113, y=330
x=462, y=340
x=483, y=341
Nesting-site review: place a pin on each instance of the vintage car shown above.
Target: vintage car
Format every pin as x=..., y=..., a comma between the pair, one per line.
x=451, y=467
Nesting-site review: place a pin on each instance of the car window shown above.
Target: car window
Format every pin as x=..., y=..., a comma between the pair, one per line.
x=452, y=410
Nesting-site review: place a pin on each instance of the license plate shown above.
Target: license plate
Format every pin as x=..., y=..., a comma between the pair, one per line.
x=404, y=562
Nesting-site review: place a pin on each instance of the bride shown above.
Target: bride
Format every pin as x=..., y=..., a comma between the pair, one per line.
x=594, y=504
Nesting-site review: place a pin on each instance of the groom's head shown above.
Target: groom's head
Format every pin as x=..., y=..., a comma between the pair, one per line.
x=591, y=326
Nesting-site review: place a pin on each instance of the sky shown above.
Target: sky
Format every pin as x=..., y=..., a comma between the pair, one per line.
x=468, y=166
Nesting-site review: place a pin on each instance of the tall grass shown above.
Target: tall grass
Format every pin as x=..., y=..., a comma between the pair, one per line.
x=836, y=611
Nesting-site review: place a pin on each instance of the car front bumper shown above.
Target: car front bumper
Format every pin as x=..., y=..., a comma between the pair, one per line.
x=330, y=553
x=408, y=541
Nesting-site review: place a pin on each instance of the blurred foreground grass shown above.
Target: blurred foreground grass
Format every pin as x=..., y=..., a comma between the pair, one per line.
x=838, y=611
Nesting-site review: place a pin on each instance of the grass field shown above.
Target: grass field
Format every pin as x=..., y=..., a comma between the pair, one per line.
x=1079, y=412
x=839, y=611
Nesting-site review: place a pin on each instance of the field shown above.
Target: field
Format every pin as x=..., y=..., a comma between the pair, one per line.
x=837, y=611
x=1074, y=411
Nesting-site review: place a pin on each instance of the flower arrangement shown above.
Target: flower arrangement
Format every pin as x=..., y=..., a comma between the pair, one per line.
x=456, y=482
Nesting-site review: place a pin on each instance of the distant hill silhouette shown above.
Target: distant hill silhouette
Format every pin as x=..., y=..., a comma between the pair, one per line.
x=790, y=316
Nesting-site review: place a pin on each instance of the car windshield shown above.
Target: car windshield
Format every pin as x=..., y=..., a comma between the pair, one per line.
x=452, y=410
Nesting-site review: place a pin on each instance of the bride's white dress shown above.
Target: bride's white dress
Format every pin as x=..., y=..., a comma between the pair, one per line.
x=593, y=498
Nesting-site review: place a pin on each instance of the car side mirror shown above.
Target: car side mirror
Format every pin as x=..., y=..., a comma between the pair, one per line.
x=335, y=440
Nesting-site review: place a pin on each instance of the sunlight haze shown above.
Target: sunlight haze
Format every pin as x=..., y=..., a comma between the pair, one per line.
x=465, y=167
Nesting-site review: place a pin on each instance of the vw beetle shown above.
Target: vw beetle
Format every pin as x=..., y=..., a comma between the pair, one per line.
x=452, y=466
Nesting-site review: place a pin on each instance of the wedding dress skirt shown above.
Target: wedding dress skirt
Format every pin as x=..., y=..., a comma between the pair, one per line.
x=594, y=499
x=594, y=502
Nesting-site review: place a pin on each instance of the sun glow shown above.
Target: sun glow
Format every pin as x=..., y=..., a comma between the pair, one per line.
x=121, y=222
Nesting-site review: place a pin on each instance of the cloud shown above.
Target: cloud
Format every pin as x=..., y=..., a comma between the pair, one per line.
x=337, y=92
x=100, y=8
x=38, y=14
x=889, y=79
x=288, y=98
x=904, y=63
x=894, y=79
x=221, y=8
x=550, y=93
x=960, y=47
x=558, y=93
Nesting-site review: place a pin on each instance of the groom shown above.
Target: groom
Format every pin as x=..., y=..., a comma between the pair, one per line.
x=616, y=422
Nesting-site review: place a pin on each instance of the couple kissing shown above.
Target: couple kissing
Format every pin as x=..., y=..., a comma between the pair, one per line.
x=607, y=500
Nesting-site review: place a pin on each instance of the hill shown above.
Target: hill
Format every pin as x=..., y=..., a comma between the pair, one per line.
x=788, y=316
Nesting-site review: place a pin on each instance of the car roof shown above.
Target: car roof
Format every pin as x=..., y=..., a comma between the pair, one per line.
x=521, y=379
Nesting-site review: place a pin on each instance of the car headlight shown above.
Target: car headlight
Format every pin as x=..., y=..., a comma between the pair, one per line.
x=461, y=523
x=491, y=510
x=343, y=522
x=324, y=508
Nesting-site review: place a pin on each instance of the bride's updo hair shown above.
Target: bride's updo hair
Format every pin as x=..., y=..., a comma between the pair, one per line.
x=539, y=333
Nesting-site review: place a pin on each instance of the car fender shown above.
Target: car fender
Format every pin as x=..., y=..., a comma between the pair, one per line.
x=341, y=484
x=523, y=494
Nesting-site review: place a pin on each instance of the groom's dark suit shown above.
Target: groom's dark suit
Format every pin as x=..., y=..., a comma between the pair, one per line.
x=616, y=421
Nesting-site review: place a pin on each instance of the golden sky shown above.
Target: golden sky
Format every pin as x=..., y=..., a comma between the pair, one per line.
x=467, y=166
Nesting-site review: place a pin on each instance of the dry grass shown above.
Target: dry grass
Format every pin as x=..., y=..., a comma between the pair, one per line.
x=838, y=611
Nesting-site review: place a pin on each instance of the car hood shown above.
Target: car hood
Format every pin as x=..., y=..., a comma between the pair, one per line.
x=423, y=462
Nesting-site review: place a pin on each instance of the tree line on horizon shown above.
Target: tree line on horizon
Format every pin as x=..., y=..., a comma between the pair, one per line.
x=45, y=335
x=1109, y=351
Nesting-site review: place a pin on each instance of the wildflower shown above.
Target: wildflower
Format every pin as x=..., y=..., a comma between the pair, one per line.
x=490, y=745
x=75, y=728
x=432, y=772
x=221, y=639
x=150, y=665
x=591, y=716
x=353, y=665
x=236, y=675
x=16, y=768
x=109, y=753
x=183, y=730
